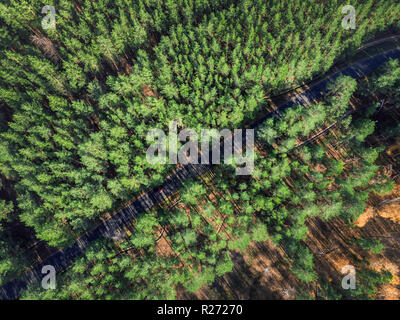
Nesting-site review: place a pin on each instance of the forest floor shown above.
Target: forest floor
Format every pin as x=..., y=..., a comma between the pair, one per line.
x=389, y=211
x=263, y=272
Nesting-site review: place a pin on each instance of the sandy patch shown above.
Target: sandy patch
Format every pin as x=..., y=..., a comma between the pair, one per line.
x=363, y=219
x=390, y=291
x=391, y=212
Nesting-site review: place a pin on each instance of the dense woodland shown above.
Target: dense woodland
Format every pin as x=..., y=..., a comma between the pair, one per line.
x=77, y=102
x=219, y=212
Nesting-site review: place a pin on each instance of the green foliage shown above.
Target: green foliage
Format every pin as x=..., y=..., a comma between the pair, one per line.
x=78, y=101
x=367, y=282
x=375, y=246
x=5, y=209
x=82, y=97
x=303, y=265
x=260, y=233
